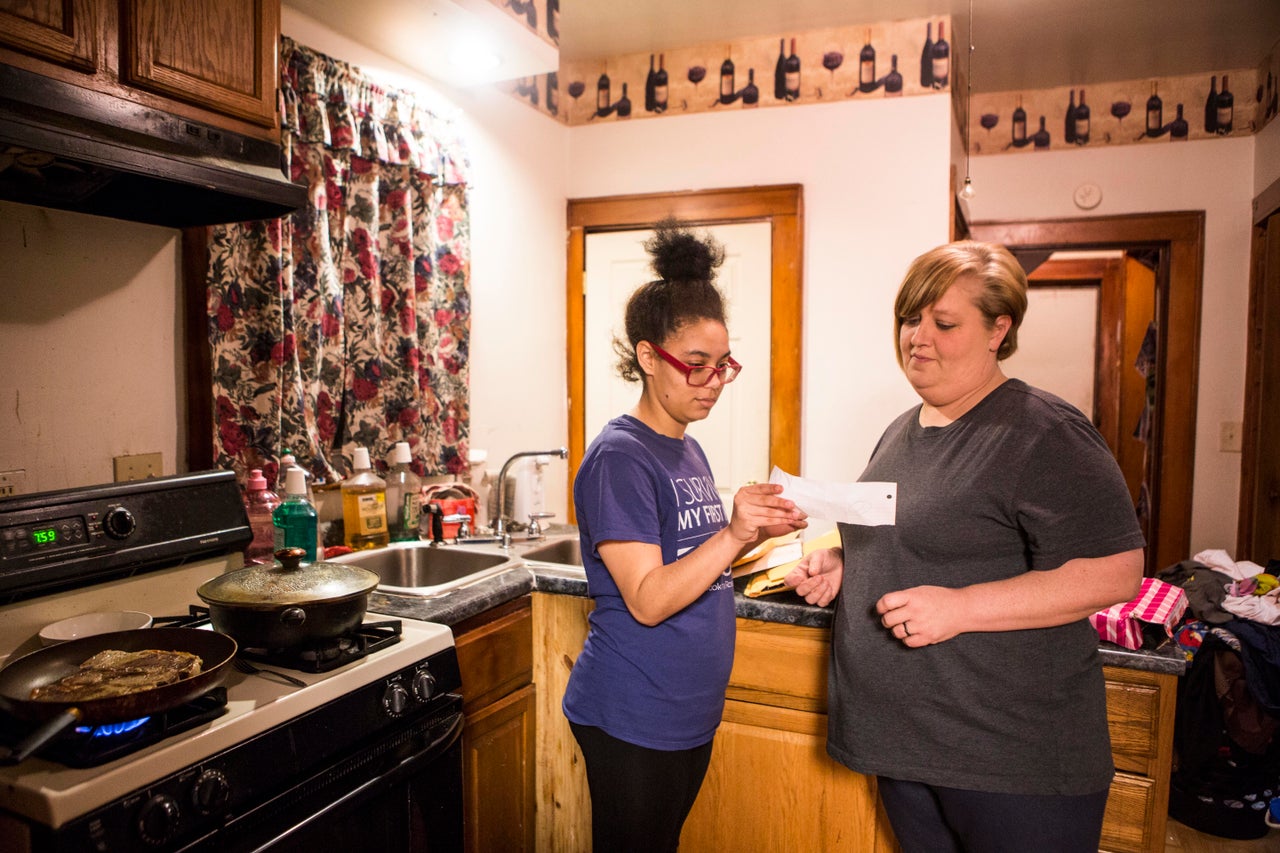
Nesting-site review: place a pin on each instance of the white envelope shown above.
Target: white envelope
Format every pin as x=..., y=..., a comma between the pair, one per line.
x=870, y=504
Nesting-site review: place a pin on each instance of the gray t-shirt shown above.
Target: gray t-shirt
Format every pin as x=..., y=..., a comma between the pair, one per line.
x=1021, y=482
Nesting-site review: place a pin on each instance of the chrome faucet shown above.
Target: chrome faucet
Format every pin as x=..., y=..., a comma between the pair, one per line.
x=500, y=526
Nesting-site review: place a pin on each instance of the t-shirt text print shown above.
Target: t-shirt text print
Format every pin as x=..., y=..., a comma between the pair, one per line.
x=701, y=513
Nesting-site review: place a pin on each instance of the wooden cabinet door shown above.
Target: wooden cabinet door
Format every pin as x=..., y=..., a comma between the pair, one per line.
x=61, y=31
x=771, y=786
x=215, y=54
x=498, y=775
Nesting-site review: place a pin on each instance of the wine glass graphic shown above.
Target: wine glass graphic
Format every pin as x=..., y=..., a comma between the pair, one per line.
x=697, y=73
x=1120, y=109
x=831, y=60
x=988, y=121
x=576, y=88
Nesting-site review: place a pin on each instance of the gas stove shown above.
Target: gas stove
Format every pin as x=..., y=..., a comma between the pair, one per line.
x=266, y=759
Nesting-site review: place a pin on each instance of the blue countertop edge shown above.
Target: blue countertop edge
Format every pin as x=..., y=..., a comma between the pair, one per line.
x=786, y=607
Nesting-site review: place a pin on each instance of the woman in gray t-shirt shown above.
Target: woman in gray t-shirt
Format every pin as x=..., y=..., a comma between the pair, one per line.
x=964, y=672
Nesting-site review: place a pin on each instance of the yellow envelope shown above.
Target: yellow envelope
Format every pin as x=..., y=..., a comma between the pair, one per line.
x=771, y=581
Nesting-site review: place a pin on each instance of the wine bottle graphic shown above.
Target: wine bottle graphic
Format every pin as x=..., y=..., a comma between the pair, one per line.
x=1178, y=127
x=1226, y=108
x=1082, y=121
x=867, y=66
x=603, y=96
x=553, y=93
x=1069, y=129
x=553, y=20
x=1155, y=112
x=780, y=72
x=1041, y=137
x=750, y=93
x=660, y=86
x=926, y=58
x=941, y=59
x=893, y=80
x=648, y=87
x=792, y=74
x=727, y=93
x=1211, y=106
x=1019, y=125
x=622, y=109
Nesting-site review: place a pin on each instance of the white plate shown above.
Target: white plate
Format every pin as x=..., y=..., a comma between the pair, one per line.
x=88, y=624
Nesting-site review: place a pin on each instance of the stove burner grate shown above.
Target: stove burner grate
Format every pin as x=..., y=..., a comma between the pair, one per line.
x=315, y=657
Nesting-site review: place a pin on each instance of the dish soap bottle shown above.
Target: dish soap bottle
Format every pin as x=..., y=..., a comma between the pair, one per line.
x=364, y=506
x=295, y=519
x=259, y=503
x=404, y=496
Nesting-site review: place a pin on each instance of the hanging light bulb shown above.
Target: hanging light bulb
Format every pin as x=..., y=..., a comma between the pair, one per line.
x=967, y=191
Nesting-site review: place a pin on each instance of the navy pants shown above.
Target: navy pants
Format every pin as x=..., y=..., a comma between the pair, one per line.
x=639, y=796
x=933, y=819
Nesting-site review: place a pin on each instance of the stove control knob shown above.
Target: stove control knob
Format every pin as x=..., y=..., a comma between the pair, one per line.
x=211, y=792
x=118, y=523
x=159, y=820
x=424, y=684
x=395, y=699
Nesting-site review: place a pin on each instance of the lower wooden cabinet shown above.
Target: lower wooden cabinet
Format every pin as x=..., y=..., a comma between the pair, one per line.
x=1140, y=713
x=495, y=656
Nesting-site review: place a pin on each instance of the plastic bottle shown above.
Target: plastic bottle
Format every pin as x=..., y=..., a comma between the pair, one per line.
x=364, y=506
x=259, y=503
x=295, y=520
x=287, y=462
x=404, y=496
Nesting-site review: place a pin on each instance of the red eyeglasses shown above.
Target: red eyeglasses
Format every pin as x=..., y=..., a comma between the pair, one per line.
x=699, y=375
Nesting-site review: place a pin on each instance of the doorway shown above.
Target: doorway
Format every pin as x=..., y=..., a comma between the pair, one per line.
x=779, y=206
x=1175, y=244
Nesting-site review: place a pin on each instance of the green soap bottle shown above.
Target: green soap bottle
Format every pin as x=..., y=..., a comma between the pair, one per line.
x=295, y=520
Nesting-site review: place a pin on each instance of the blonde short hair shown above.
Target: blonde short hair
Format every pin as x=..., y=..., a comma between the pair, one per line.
x=1004, y=286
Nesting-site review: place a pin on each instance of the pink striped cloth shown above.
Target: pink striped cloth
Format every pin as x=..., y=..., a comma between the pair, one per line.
x=1158, y=603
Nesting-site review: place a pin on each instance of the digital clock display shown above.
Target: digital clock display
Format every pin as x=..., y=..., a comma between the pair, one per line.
x=45, y=536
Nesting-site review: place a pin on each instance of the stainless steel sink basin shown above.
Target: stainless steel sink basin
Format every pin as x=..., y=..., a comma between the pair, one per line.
x=416, y=568
x=565, y=552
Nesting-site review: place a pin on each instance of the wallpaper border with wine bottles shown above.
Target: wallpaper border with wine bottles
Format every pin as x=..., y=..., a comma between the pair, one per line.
x=540, y=17
x=1230, y=102
x=856, y=62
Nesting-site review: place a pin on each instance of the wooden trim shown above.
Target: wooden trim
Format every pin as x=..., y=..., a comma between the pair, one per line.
x=783, y=207
x=1267, y=203
x=1178, y=300
x=193, y=300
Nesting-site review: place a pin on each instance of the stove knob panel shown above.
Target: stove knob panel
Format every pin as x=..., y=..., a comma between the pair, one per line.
x=119, y=523
x=424, y=685
x=159, y=820
x=395, y=699
x=211, y=792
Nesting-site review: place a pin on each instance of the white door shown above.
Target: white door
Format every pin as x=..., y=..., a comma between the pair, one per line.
x=735, y=435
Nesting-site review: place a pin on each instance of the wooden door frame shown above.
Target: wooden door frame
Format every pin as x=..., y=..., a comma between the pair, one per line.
x=783, y=207
x=1178, y=284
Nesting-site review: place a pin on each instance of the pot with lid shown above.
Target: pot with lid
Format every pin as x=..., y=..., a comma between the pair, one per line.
x=290, y=603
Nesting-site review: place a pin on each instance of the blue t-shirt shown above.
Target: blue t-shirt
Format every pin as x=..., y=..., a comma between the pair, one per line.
x=660, y=687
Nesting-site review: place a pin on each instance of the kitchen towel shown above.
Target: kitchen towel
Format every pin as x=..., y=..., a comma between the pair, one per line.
x=1158, y=603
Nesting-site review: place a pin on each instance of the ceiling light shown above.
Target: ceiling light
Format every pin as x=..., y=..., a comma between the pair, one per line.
x=967, y=192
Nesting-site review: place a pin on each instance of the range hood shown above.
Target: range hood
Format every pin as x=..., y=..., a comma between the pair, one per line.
x=68, y=147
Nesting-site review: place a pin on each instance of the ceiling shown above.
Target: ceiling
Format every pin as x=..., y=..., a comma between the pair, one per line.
x=1034, y=44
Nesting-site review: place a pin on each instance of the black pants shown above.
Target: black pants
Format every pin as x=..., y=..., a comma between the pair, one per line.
x=639, y=796
x=933, y=819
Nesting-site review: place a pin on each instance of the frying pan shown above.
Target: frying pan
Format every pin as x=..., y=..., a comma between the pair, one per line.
x=47, y=665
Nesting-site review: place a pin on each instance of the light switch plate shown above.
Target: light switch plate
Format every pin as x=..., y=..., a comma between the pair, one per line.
x=1229, y=437
x=137, y=467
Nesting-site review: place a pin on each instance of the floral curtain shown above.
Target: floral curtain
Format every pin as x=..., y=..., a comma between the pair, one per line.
x=347, y=323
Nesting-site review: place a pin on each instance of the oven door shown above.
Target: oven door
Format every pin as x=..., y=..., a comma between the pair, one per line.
x=403, y=792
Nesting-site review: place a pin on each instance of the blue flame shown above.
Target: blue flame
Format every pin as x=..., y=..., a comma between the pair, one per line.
x=112, y=729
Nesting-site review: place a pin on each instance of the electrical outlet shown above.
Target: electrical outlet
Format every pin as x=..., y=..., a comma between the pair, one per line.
x=1229, y=437
x=11, y=482
x=137, y=467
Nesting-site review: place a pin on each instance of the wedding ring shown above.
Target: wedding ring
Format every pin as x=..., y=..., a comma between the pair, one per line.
x=906, y=630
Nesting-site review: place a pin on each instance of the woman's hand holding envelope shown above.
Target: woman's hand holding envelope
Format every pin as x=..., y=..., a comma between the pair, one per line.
x=818, y=575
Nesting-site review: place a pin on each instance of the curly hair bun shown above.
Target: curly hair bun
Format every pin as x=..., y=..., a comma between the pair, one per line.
x=680, y=255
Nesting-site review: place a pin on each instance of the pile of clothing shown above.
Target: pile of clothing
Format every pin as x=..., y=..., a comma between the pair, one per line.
x=1227, y=754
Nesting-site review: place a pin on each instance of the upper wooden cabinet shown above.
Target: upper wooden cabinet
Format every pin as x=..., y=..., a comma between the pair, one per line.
x=210, y=60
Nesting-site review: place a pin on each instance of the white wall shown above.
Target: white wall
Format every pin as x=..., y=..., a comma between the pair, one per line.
x=1215, y=176
x=91, y=361
x=875, y=178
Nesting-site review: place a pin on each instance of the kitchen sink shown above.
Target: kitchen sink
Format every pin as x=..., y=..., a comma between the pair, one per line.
x=417, y=568
x=565, y=552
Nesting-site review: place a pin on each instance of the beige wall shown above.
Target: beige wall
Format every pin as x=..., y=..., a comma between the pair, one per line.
x=1216, y=176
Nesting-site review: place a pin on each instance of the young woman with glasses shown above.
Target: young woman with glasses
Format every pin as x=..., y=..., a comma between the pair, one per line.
x=646, y=694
